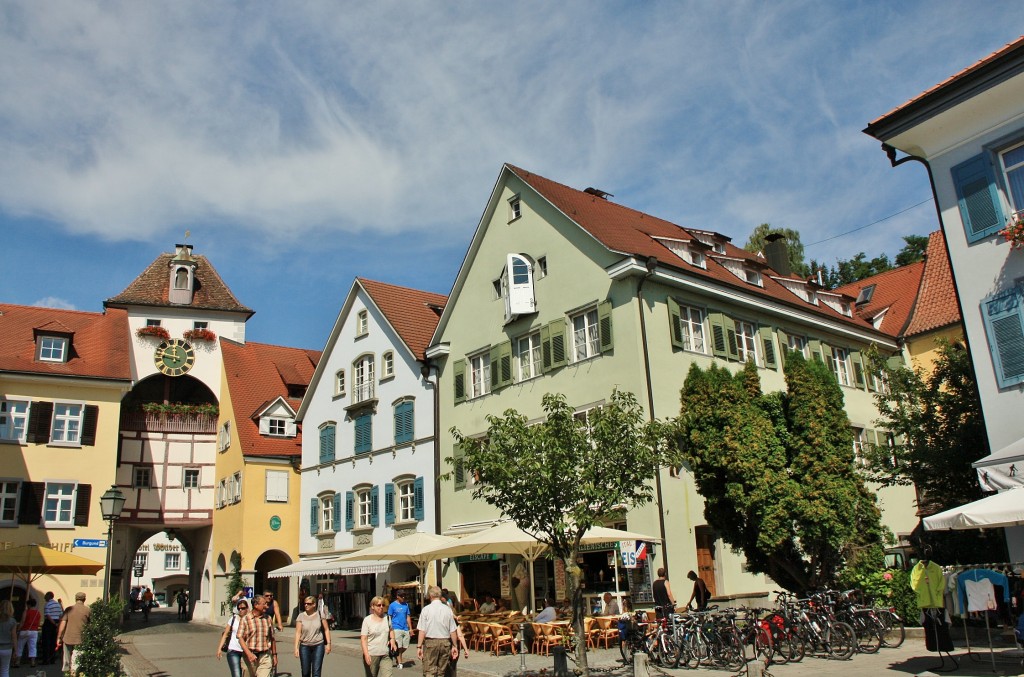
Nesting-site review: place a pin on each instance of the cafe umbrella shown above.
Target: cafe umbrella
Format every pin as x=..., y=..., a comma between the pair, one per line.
x=418, y=548
x=31, y=562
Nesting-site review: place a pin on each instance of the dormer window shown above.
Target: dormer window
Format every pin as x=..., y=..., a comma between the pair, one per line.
x=517, y=287
x=181, y=278
x=697, y=259
x=53, y=348
x=865, y=294
x=276, y=426
x=752, y=277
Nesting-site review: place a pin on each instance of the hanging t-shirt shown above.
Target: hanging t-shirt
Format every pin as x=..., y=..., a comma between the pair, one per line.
x=981, y=595
x=995, y=577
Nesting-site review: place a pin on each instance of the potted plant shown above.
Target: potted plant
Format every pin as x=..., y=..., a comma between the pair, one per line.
x=1014, y=231
x=200, y=334
x=153, y=331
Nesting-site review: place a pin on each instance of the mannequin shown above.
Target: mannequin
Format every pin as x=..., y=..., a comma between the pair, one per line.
x=927, y=582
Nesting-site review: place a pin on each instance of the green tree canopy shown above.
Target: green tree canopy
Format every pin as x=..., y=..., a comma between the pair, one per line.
x=776, y=471
x=557, y=478
x=847, y=271
x=756, y=242
x=913, y=251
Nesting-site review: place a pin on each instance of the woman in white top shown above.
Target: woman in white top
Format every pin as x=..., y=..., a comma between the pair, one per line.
x=312, y=638
x=375, y=637
x=235, y=652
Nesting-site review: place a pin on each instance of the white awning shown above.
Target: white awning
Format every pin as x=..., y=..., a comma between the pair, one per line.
x=329, y=566
x=1002, y=469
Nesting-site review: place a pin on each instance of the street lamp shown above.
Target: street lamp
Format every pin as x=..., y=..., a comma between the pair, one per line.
x=111, y=503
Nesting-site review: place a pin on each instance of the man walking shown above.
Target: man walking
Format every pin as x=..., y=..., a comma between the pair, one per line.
x=256, y=637
x=70, y=631
x=398, y=612
x=438, y=635
x=182, y=600
x=52, y=611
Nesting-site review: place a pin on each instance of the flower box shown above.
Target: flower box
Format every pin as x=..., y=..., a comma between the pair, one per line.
x=153, y=332
x=1014, y=231
x=202, y=334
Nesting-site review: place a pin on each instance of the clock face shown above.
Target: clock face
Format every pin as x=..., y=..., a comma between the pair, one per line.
x=175, y=357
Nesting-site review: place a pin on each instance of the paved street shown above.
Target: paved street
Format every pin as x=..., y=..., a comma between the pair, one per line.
x=166, y=647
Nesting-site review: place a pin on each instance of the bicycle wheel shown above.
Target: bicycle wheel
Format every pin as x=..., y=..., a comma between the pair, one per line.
x=682, y=650
x=729, y=649
x=869, y=633
x=763, y=645
x=626, y=649
x=893, y=630
x=841, y=640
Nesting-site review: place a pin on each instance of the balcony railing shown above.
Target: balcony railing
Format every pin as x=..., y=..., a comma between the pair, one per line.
x=363, y=392
x=169, y=423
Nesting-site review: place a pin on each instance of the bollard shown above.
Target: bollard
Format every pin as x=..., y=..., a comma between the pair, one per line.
x=640, y=660
x=561, y=662
x=755, y=669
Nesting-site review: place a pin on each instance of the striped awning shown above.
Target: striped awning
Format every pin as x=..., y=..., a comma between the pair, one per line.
x=330, y=566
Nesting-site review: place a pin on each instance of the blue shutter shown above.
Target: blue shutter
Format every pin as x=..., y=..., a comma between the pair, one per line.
x=404, y=422
x=1004, y=325
x=327, y=444
x=336, y=512
x=417, y=488
x=978, y=197
x=389, y=504
x=364, y=433
x=375, y=506
x=313, y=514
x=350, y=520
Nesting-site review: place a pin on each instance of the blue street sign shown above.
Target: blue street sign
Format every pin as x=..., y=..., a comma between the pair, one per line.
x=89, y=543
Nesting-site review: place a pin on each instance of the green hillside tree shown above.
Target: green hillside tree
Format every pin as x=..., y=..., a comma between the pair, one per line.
x=756, y=242
x=776, y=472
x=558, y=478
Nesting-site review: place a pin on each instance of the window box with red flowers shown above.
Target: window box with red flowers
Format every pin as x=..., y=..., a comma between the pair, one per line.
x=153, y=331
x=1014, y=231
x=201, y=334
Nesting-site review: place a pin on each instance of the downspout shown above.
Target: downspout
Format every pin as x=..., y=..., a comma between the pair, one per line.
x=425, y=370
x=890, y=152
x=652, y=265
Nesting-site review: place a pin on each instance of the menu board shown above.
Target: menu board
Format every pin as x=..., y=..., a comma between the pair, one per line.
x=560, y=579
x=640, y=590
x=506, y=581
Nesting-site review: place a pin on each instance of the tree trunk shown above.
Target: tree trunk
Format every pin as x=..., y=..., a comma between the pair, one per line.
x=572, y=570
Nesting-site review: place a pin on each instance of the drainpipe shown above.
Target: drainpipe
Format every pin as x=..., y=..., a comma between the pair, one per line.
x=652, y=265
x=425, y=371
x=890, y=153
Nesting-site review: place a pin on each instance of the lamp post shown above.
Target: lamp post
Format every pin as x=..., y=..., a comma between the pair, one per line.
x=111, y=503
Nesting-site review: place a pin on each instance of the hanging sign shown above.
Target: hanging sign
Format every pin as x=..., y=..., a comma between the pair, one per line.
x=628, y=551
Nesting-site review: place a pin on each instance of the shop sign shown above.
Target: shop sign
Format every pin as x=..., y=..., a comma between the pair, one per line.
x=628, y=551
x=483, y=557
x=598, y=547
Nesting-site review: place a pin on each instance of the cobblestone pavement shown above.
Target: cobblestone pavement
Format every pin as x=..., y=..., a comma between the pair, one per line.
x=167, y=648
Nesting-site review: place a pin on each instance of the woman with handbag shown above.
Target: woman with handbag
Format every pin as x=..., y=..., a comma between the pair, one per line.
x=312, y=638
x=377, y=639
x=228, y=643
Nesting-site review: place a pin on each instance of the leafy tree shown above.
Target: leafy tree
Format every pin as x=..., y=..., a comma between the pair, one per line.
x=558, y=478
x=847, y=271
x=756, y=243
x=236, y=582
x=776, y=471
x=913, y=251
x=100, y=652
x=936, y=426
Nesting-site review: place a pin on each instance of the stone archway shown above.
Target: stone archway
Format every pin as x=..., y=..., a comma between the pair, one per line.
x=281, y=587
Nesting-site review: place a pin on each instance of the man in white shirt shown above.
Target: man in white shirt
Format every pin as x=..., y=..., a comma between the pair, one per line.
x=438, y=640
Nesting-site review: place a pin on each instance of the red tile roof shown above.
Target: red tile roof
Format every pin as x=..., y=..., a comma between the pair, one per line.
x=254, y=376
x=921, y=98
x=152, y=286
x=99, y=342
x=413, y=314
x=936, y=303
x=895, y=290
x=631, y=232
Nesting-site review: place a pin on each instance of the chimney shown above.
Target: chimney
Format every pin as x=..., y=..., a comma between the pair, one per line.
x=777, y=253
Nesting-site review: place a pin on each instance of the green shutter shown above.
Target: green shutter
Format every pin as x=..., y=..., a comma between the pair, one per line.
x=675, y=323
x=459, y=374
x=896, y=362
x=314, y=514
x=770, y=360
x=719, y=343
x=858, y=369
x=552, y=344
x=814, y=345
x=783, y=346
x=826, y=355
x=977, y=197
x=604, y=325
x=417, y=493
x=495, y=361
x=459, y=468
x=730, y=338
x=350, y=518
x=389, y=504
x=505, y=361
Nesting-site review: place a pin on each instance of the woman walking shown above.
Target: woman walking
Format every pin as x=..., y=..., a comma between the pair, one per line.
x=376, y=636
x=230, y=637
x=312, y=638
x=28, y=633
x=8, y=636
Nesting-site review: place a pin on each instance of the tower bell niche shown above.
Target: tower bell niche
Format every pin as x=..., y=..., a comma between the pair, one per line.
x=183, y=276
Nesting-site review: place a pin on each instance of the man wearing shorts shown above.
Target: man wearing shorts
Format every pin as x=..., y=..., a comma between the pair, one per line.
x=398, y=612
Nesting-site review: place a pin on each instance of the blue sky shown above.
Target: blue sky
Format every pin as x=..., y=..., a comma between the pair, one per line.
x=306, y=143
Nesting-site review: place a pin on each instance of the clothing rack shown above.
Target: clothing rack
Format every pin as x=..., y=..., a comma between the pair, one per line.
x=998, y=568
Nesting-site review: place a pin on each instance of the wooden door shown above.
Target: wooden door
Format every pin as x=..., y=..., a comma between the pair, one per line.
x=706, y=557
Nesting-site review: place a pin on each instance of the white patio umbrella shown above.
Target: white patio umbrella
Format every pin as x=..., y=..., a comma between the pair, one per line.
x=1005, y=509
x=418, y=548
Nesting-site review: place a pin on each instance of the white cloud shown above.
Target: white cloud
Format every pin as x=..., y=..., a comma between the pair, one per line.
x=54, y=302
